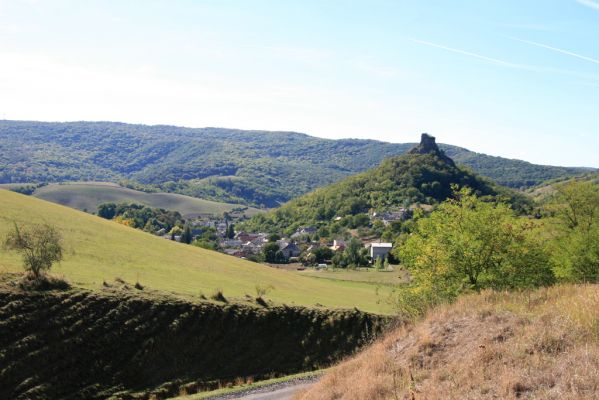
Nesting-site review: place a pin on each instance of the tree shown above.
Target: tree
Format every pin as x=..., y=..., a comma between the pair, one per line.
x=322, y=254
x=107, y=210
x=272, y=253
x=274, y=237
x=355, y=253
x=40, y=245
x=175, y=231
x=576, y=244
x=186, y=236
x=230, y=233
x=470, y=244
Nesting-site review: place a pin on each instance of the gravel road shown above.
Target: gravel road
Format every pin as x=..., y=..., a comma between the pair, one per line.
x=276, y=391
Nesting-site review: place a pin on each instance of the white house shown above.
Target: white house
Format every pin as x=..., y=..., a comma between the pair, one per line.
x=380, y=250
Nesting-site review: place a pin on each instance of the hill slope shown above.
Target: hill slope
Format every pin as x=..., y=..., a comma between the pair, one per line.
x=235, y=166
x=124, y=344
x=544, y=191
x=423, y=175
x=539, y=345
x=99, y=250
x=87, y=196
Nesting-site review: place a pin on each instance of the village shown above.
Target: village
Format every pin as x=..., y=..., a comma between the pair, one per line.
x=304, y=247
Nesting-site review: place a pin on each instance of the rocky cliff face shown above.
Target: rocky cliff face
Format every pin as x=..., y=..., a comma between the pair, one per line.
x=429, y=146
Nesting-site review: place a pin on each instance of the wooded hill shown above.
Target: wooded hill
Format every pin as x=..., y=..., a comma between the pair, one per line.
x=247, y=167
x=424, y=175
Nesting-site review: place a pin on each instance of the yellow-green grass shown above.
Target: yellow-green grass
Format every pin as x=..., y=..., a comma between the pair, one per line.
x=99, y=250
x=365, y=275
x=88, y=195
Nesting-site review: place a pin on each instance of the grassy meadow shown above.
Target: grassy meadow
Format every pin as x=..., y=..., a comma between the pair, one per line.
x=98, y=250
x=88, y=195
x=363, y=275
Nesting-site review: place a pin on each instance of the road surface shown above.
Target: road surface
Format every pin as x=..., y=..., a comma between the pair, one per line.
x=277, y=391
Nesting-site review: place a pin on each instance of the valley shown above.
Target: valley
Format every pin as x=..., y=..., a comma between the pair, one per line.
x=97, y=251
x=293, y=289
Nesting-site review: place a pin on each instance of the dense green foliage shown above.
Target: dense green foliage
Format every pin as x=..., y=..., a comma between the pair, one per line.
x=418, y=177
x=250, y=167
x=125, y=343
x=272, y=254
x=467, y=241
x=470, y=244
x=353, y=256
x=576, y=206
x=142, y=217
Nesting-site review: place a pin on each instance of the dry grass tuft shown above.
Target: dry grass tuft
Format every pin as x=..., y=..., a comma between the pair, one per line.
x=538, y=345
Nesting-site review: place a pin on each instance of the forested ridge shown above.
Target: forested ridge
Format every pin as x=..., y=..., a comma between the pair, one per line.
x=425, y=175
x=250, y=167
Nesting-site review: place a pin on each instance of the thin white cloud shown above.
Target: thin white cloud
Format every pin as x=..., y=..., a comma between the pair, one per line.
x=558, y=50
x=468, y=53
x=524, y=67
x=589, y=3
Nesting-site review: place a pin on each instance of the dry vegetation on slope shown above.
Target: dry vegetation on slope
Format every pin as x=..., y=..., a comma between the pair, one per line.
x=542, y=345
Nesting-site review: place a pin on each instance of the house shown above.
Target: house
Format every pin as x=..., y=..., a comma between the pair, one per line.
x=251, y=247
x=312, y=247
x=303, y=231
x=338, y=245
x=289, y=249
x=380, y=250
x=236, y=253
x=246, y=237
x=233, y=243
x=388, y=217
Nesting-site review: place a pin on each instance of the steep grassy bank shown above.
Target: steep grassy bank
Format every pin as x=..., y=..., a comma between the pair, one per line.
x=126, y=343
x=539, y=345
x=98, y=250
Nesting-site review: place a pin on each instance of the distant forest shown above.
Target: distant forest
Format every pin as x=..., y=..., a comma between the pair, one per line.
x=256, y=168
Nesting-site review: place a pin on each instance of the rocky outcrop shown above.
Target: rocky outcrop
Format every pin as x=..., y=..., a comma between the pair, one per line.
x=429, y=146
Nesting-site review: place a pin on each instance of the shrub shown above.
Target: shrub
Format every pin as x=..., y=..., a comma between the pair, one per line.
x=219, y=296
x=262, y=290
x=40, y=245
x=43, y=282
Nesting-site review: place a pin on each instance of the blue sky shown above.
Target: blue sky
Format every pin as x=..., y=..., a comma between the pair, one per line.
x=516, y=79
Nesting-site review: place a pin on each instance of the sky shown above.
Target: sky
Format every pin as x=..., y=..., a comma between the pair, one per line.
x=517, y=79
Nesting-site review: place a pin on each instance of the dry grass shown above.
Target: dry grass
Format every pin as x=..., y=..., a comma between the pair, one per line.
x=541, y=345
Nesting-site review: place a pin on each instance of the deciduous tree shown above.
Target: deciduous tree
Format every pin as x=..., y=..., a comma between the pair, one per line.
x=40, y=245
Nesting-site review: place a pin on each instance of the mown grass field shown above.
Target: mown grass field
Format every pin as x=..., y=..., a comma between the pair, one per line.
x=88, y=195
x=369, y=275
x=99, y=250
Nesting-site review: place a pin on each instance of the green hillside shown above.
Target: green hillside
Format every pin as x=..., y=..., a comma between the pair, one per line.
x=87, y=196
x=99, y=250
x=259, y=168
x=543, y=192
x=125, y=344
x=425, y=175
